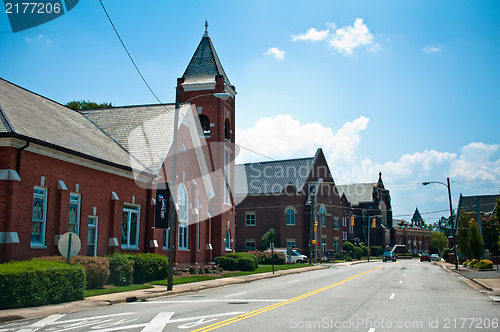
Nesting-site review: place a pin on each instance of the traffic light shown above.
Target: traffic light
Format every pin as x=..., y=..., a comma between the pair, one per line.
x=313, y=241
x=352, y=220
x=402, y=223
x=374, y=223
x=316, y=226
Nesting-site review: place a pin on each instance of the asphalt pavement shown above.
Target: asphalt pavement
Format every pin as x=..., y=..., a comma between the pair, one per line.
x=489, y=280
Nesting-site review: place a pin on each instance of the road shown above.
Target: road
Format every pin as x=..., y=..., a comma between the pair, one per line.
x=375, y=296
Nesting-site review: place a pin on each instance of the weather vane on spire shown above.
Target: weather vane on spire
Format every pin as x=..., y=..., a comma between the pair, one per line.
x=206, y=28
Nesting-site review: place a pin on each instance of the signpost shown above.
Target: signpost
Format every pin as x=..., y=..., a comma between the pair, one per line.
x=69, y=245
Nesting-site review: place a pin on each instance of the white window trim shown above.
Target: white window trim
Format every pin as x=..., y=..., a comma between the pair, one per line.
x=78, y=212
x=132, y=208
x=286, y=216
x=254, y=219
x=183, y=223
x=250, y=241
x=96, y=233
x=43, y=227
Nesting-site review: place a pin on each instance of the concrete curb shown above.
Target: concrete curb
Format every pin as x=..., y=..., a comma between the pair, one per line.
x=480, y=283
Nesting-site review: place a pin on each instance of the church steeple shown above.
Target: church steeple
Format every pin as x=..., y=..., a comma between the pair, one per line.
x=205, y=64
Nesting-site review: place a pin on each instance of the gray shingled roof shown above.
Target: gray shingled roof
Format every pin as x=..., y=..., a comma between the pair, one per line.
x=358, y=192
x=487, y=203
x=39, y=118
x=272, y=177
x=204, y=65
x=145, y=131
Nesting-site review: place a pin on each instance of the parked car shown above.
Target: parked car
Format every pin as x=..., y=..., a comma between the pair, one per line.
x=425, y=257
x=388, y=256
x=295, y=257
x=435, y=258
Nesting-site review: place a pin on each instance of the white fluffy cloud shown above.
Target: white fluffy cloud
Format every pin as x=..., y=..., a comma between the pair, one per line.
x=344, y=40
x=312, y=35
x=275, y=52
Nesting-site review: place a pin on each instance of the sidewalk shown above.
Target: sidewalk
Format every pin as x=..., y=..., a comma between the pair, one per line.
x=143, y=294
x=489, y=280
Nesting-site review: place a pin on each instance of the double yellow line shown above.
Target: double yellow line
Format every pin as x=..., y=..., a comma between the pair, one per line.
x=277, y=305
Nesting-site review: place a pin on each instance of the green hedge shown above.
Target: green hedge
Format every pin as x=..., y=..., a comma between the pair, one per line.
x=120, y=270
x=148, y=267
x=244, y=261
x=37, y=282
x=96, y=268
x=226, y=263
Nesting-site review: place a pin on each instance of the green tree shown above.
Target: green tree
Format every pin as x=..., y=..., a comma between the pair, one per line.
x=439, y=240
x=489, y=230
x=268, y=238
x=86, y=105
x=462, y=236
x=475, y=241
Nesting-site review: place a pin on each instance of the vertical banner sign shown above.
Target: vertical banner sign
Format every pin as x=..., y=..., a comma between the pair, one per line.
x=162, y=206
x=24, y=14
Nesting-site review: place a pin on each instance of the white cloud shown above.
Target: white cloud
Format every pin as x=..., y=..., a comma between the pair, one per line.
x=348, y=38
x=275, y=52
x=344, y=40
x=312, y=35
x=285, y=137
x=432, y=49
x=38, y=39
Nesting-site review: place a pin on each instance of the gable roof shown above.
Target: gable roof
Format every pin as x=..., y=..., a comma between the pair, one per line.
x=272, y=177
x=30, y=116
x=144, y=131
x=487, y=203
x=357, y=192
x=204, y=65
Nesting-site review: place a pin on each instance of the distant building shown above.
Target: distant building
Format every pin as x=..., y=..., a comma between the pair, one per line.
x=413, y=234
x=483, y=206
x=282, y=195
x=366, y=202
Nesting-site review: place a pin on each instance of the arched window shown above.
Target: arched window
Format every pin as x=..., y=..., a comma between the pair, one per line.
x=183, y=214
x=290, y=217
x=227, y=130
x=227, y=240
x=322, y=216
x=205, y=124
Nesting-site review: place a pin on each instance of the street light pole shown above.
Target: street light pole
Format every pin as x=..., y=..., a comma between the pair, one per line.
x=447, y=184
x=173, y=182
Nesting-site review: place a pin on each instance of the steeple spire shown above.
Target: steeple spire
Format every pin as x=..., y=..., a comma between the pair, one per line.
x=206, y=29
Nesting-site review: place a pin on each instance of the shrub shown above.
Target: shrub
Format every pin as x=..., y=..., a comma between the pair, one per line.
x=358, y=252
x=120, y=270
x=365, y=251
x=245, y=263
x=348, y=258
x=237, y=255
x=149, y=267
x=96, y=268
x=265, y=258
x=484, y=264
x=445, y=253
x=38, y=282
x=376, y=250
x=348, y=246
x=227, y=263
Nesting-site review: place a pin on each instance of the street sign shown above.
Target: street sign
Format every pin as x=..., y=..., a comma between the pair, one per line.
x=69, y=245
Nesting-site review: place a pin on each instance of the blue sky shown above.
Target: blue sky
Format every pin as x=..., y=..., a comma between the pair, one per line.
x=408, y=88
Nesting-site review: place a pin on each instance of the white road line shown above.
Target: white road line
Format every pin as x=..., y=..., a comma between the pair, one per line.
x=42, y=323
x=209, y=301
x=400, y=281
x=404, y=274
x=392, y=296
x=371, y=330
x=235, y=294
x=158, y=323
x=293, y=281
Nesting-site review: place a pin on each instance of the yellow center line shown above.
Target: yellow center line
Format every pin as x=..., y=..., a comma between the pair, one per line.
x=277, y=305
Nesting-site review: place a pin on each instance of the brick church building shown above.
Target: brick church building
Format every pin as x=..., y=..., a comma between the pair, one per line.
x=96, y=172
x=288, y=195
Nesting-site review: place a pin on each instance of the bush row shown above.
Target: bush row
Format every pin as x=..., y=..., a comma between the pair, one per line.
x=37, y=282
x=479, y=264
x=242, y=261
x=266, y=258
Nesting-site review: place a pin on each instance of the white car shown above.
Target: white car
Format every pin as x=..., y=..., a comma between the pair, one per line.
x=435, y=258
x=295, y=257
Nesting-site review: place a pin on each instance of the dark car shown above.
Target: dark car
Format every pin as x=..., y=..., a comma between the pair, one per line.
x=388, y=256
x=425, y=257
